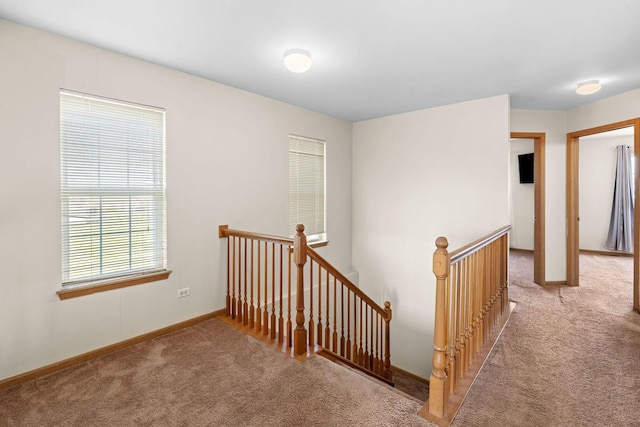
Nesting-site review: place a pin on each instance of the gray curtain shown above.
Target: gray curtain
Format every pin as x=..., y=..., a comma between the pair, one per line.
x=621, y=226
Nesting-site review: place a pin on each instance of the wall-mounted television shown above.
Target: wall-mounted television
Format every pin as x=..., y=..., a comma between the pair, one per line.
x=525, y=165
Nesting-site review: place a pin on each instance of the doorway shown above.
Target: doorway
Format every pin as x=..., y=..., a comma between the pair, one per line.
x=573, y=213
x=539, y=211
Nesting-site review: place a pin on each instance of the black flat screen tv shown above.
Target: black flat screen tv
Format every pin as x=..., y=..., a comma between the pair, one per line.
x=525, y=165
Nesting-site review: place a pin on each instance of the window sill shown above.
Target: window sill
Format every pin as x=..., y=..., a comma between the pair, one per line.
x=122, y=282
x=319, y=244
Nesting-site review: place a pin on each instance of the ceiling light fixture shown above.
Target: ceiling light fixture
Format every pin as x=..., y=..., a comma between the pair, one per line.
x=589, y=87
x=297, y=60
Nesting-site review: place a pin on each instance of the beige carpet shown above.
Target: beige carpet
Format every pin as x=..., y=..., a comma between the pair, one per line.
x=568, y=356
x=206, y=375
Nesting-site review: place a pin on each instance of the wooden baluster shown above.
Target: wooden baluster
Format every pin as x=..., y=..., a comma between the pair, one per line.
x=233, y=281
x=280, y=318
x=239, y=313
x=472, y=278
x=360, y=352
x=499, y=274
x=376, y=363
x=493, y=291
x=486, y=260
x=265, y=319
x=387, y=340
x=342, y=338
x=447, y=320
x=319, y=334
x=463, y=317
x=311, y=324
x=504, y=274
x=348, y=344
x=475, y=277
x=371, y=356
x=252, y=311
x=498, y=279
x=479, y=277
x=335, y=314
x=354, y=352
x=467, y=308
x=300, y=258
x=459, y=318
x=228, y=276
x=273, y=291
x=289, y=324
x=327, y=329
x=245, y=306
x=380, y=348
x=365, y=359
x=497, y=282
x=437, y=393
x=497, y=257
x=489, y=294
x=258, y=302
x=485, y=301
x=451, y=336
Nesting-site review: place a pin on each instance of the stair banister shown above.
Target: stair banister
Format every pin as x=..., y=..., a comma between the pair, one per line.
x=472, y=306
x=255, y=264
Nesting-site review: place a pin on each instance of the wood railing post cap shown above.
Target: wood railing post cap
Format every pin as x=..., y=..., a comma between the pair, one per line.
x=442, y=242
x=300, y=228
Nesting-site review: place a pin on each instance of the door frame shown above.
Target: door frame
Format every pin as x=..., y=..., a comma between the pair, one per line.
x=573, y=212
x=539, y=203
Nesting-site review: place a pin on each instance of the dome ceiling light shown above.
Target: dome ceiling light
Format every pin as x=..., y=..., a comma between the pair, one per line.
x=297, y=60
x=589, y=87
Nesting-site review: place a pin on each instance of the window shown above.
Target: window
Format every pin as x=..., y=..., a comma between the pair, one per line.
x=307, y=187
x=113, y=189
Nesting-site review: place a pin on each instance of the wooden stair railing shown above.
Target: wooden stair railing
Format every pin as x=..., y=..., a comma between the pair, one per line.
x=350, y=325
x=472, y=307
x=265, y=272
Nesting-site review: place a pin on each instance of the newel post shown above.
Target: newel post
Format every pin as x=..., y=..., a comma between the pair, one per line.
x=300, y=258
x=437, y=383
x=387, y=342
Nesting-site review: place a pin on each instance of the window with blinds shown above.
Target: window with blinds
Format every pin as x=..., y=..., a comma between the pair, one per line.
x=112, y=188
x=307, y=187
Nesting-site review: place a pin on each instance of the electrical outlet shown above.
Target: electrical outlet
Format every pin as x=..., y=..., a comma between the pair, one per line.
x=184, y=292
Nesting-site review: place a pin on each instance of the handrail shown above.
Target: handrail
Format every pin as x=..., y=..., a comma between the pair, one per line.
x=353, y=288
x=472, y=306
x=225, y=231
x=474, y=246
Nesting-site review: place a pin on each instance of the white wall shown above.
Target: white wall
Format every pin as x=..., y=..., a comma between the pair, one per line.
x=597, y=167
x=416, y=176
x=226, y=164
x=522, y=198
x=609, y=110
x=553, y=124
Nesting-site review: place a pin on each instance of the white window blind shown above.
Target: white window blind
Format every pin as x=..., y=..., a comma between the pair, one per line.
x=307, y=186
x=112, y=188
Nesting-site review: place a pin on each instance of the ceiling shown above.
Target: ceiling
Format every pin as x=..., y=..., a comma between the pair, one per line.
x=372, y=58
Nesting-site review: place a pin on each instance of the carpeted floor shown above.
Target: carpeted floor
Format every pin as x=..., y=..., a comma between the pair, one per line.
x=207, y=375
x=411, y=386
x=569, y=356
